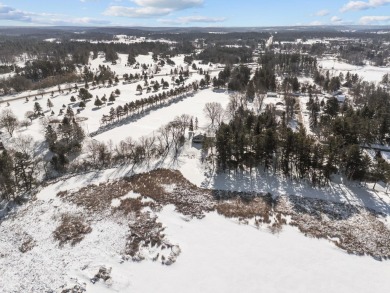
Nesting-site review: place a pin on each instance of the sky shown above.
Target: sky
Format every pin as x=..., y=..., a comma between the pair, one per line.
x=203, y=13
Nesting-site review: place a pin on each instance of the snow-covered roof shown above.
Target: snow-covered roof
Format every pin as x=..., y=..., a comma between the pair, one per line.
x=272, y=94
x=340, y=98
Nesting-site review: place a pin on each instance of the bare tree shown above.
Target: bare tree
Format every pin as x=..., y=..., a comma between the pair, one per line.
x=8, y=121
x=258, y=102
x=214, y=112
x=29, y=115
x=177, y=135
x=183, y=121
x=25, y=123
x=99, y=152
x=164, y=132
x=236, y=101
x=148, y=144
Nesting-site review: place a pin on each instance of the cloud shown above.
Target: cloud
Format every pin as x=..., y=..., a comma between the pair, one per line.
x=323, y=12
x=374, y=19
x=12, y=14
x=152, y=8
x=192, y=19
x=314, y=23
x=172, y=4
x=9, y=13
x=142, y=12
x=336, y=19
x=362, y=5
x=78, y=21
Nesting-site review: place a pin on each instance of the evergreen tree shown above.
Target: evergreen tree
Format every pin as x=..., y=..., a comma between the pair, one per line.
x=49, y=104
x=51, y=137
x=250, y=91
x=112, y=98
x=37, y=108
x=7, y=183
x=98, y=103
x=332, y=107
x=355, y=163
x=84, y=94
x=139, y=89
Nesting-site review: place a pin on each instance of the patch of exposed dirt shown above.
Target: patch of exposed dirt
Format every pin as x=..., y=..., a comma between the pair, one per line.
x=104, y=275
x=146, y=237
x=28, y=243
x=72, y=229
x=75, y=289
x=354, y=229
x=187, y=198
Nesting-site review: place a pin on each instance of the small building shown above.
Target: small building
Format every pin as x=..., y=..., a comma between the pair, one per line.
x=272, y=95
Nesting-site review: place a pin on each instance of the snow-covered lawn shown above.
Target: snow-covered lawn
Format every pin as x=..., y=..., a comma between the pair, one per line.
x=192, y=105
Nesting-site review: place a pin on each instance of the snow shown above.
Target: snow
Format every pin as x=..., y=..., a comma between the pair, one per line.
x=217, y=254
x=116, y=202
x=237, y=258
x=193, y=105
x=53, y=40
x=150, y=122
x=367, y=72
x=125, y=39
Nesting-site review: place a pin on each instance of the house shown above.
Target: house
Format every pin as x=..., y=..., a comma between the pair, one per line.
x=340, y=98
x=198, y=138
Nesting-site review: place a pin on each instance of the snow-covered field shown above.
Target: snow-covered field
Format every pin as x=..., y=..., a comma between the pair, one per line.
x=217, y=254
x=367, y=72
x=122, y=39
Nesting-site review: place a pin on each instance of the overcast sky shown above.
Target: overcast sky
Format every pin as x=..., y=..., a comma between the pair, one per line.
x=192, y=12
